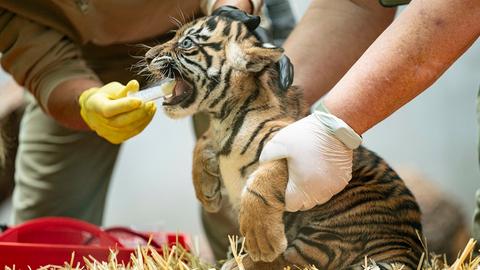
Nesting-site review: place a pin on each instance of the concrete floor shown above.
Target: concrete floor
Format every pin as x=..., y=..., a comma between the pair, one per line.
x=435, y=134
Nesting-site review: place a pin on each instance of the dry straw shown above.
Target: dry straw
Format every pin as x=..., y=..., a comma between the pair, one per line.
x=178, y=258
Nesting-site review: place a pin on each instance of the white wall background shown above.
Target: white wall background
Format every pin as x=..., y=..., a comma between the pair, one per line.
x=436, y=134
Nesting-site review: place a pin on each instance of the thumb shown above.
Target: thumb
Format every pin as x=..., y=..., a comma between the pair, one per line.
x=294, y=197
x=273, y=151
x=110, y=108
x=131, y=87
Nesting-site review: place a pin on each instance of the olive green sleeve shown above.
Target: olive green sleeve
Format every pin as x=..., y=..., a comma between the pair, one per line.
x=393, y=3
x=39, y=58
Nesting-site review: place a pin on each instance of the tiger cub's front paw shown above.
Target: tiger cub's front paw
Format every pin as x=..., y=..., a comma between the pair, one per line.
x=210, y=194
x=263, y=228
x=207, y=181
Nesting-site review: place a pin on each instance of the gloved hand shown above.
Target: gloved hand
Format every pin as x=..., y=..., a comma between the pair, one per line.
x=319, y=164
x=252, y=22
x=112, y=115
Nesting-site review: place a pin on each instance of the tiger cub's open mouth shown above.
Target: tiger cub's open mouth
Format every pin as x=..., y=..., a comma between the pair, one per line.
x=164, y=67
x=182, y=91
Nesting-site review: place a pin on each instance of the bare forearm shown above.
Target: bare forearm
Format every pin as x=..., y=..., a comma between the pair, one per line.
x=63, y=102
x=331, y=36
x=406, y=59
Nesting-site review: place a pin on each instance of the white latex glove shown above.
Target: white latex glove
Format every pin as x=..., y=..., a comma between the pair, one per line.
x=319, y=164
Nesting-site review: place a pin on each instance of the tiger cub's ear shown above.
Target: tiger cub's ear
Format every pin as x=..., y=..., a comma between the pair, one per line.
x=253, y=58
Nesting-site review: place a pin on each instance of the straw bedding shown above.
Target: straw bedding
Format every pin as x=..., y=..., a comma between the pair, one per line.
x=177, y=258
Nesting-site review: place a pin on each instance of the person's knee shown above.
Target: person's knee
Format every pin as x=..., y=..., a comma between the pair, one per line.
x=60, y=171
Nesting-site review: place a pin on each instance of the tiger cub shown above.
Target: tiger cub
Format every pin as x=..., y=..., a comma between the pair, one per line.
x=222, y=69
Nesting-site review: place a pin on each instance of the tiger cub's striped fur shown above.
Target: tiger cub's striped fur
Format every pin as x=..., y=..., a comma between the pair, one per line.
x=223, y=70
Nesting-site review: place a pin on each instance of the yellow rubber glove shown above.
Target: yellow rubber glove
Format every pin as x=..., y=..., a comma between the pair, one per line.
x=112, y=115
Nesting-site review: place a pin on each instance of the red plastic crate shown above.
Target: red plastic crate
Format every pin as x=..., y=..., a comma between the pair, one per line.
x=51, y=241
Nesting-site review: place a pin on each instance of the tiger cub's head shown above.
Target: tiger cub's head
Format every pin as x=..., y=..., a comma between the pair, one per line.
x=214, y=60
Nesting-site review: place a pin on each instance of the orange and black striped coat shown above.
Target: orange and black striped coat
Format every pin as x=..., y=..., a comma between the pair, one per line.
x=223, y=70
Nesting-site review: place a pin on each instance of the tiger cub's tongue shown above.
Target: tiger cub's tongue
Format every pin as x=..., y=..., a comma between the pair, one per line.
x=179, y=88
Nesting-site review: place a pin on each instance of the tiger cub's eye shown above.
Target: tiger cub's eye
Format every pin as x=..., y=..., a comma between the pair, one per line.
x=186, y=43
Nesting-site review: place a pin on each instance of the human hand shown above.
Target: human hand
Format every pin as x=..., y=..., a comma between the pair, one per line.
x=319, y=163
x=112, y=115
x=237, y=13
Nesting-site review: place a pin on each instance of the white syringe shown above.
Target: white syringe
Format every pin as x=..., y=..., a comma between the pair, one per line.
x=162, y=89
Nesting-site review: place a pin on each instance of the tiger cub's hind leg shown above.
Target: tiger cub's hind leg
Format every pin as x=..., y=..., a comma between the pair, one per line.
x=206, y=174
x=261, y=211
